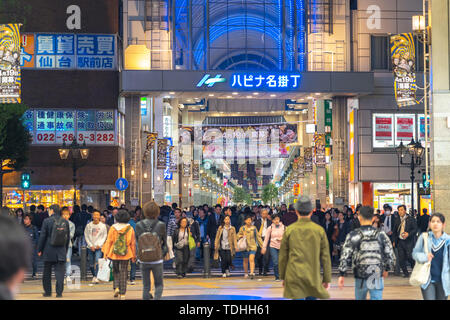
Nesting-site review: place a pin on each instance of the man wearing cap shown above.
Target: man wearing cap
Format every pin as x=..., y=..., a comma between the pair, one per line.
x=304, y=249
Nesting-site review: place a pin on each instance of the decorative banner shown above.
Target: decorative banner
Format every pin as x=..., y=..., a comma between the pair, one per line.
x=319, y=150
x=296, y=189
x=186, y=169
x=251, y=142
x=173, y=159
x=161, y=154
x=403, y=54
x=195, y=170
x=308, y=160
x=10, y=75
x=151, y=139
x=422, y=127
x=301, y=168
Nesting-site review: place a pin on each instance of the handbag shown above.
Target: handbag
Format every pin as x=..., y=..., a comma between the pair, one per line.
x=104, y=270
x=242, y=244
x=421, y=271
x=180, y=244
x=192, y=244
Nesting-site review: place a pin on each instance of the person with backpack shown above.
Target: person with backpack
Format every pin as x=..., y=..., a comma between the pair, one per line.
x=372, y=255
x=52, y=247
x=437, y=252
x=225, y=244
x=151, y=241
x=95, y=235
x=253, y=239
x=120, y=247
x=275, y=234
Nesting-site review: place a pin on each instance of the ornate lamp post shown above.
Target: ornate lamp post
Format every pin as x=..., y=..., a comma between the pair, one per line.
x=80, y=154
x=416, y=151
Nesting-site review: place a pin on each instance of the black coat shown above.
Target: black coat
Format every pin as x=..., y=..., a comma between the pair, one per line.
x=422, y=223
x=159, y=228
x=258, y=223
x=195, y=231
x=212, y=226
x=49, y=252
x=329, y=231
x=410, y=228
x=33, y=232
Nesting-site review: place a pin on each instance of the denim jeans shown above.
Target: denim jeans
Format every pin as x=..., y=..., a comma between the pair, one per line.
x=93, y=257
x=274, y=255
x=434, y=291
x=132, y=271
x=157, y=270
x=361, y=289
x=69, y=262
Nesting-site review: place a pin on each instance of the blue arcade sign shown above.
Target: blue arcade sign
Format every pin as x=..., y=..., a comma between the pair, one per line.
x=254, y=81
x=121, y=184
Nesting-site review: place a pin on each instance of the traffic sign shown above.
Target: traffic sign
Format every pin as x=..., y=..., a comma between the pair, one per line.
x=121, y=184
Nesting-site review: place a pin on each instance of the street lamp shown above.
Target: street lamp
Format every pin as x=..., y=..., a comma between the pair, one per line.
x=416, y=151
x=77, y=152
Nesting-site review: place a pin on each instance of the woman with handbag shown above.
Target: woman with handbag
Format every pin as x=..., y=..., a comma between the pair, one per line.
x=435, y=250
x=225, y=244
x=181, y=241
x=251, y=236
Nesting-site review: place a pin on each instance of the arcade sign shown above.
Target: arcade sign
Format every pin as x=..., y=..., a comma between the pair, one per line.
x=254, y=81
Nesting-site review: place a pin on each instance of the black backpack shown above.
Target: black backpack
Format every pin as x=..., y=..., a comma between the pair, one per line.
x=59, y=233
x=149, y=245
x=369, y=257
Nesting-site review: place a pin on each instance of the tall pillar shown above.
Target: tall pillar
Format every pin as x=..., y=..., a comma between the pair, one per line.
x=440, y=110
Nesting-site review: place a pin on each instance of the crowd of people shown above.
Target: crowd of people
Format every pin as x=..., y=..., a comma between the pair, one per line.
x=261, y=235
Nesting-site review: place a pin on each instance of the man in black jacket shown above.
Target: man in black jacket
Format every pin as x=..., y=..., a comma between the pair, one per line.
x=151, y=223
x=404, y=231
x=53, y=255
x=262, y=224
x=195, y=231
x=213, y=225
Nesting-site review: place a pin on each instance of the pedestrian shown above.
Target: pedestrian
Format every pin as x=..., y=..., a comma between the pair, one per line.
x=388, y=222
x=203, y=223
x=133, y=265
x=65, y=213
x=95, y=235
x=225, y=244
x=112, y=218
x=355, y=221
x=253, y=239
x=53, y=245
x=289, y=217
x=194, y=227
x=33, y=233
x=423, y=221
x=437, y=286
x=405, y=230
x=138, y=214
x=15, y=253
x=304, y=248
x=213, y=224
x=103, y=218
x=328, y=226
x=275, y=234
x=120, y=247
x=376, y=221
x=41, y=216
x=180, y=239
x=341, y=230
x=263, y=260
x=19, y=215
x=371, y=256
x=151, y=225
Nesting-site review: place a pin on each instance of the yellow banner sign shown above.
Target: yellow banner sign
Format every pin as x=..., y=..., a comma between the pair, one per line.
x=10, y=76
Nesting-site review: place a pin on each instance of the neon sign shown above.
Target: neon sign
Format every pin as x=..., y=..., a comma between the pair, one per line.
x=252, y=81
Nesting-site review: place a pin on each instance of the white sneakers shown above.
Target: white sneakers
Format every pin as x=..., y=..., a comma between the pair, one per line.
x=116, y=292
x=224, y=275
x=228, y=273
x=95, y=280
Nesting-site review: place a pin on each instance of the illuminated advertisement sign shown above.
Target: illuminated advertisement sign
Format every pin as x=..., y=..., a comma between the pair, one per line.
x=10, y=75
x=53, y=127
x=68, y=51
x=254, y=81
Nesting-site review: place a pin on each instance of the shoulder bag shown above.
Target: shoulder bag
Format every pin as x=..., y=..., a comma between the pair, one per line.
x=421, y=271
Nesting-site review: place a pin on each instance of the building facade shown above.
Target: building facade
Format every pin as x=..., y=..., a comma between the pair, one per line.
x=70, y=83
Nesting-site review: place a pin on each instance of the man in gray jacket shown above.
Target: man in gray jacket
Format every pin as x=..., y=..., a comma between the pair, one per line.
x=53, y=255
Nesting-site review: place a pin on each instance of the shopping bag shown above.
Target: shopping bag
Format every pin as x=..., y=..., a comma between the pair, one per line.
x=421, y=271
x=192, y=244
x=104, y=270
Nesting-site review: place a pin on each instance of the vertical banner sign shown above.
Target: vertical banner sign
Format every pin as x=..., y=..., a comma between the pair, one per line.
x=161, y=154
x=186, y=169
x=308, y=164
x=352, y=145
x=10, y=76
x=403, y=55
x=301, y=168
x=195, y=170
x=151, y=138
x=319, y=150
x=27, y=59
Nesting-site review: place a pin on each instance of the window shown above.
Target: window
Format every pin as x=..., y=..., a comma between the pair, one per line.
x=380, y=53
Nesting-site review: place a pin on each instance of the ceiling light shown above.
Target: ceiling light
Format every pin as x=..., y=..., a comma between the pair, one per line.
x=211, y=95
x=172, y=92
x=273, y=95
x=255, y=93
x=317, y=94
x=249, y=97
x=228, y=97
x=189, y=100
x=310, y=97
x=235, y=93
